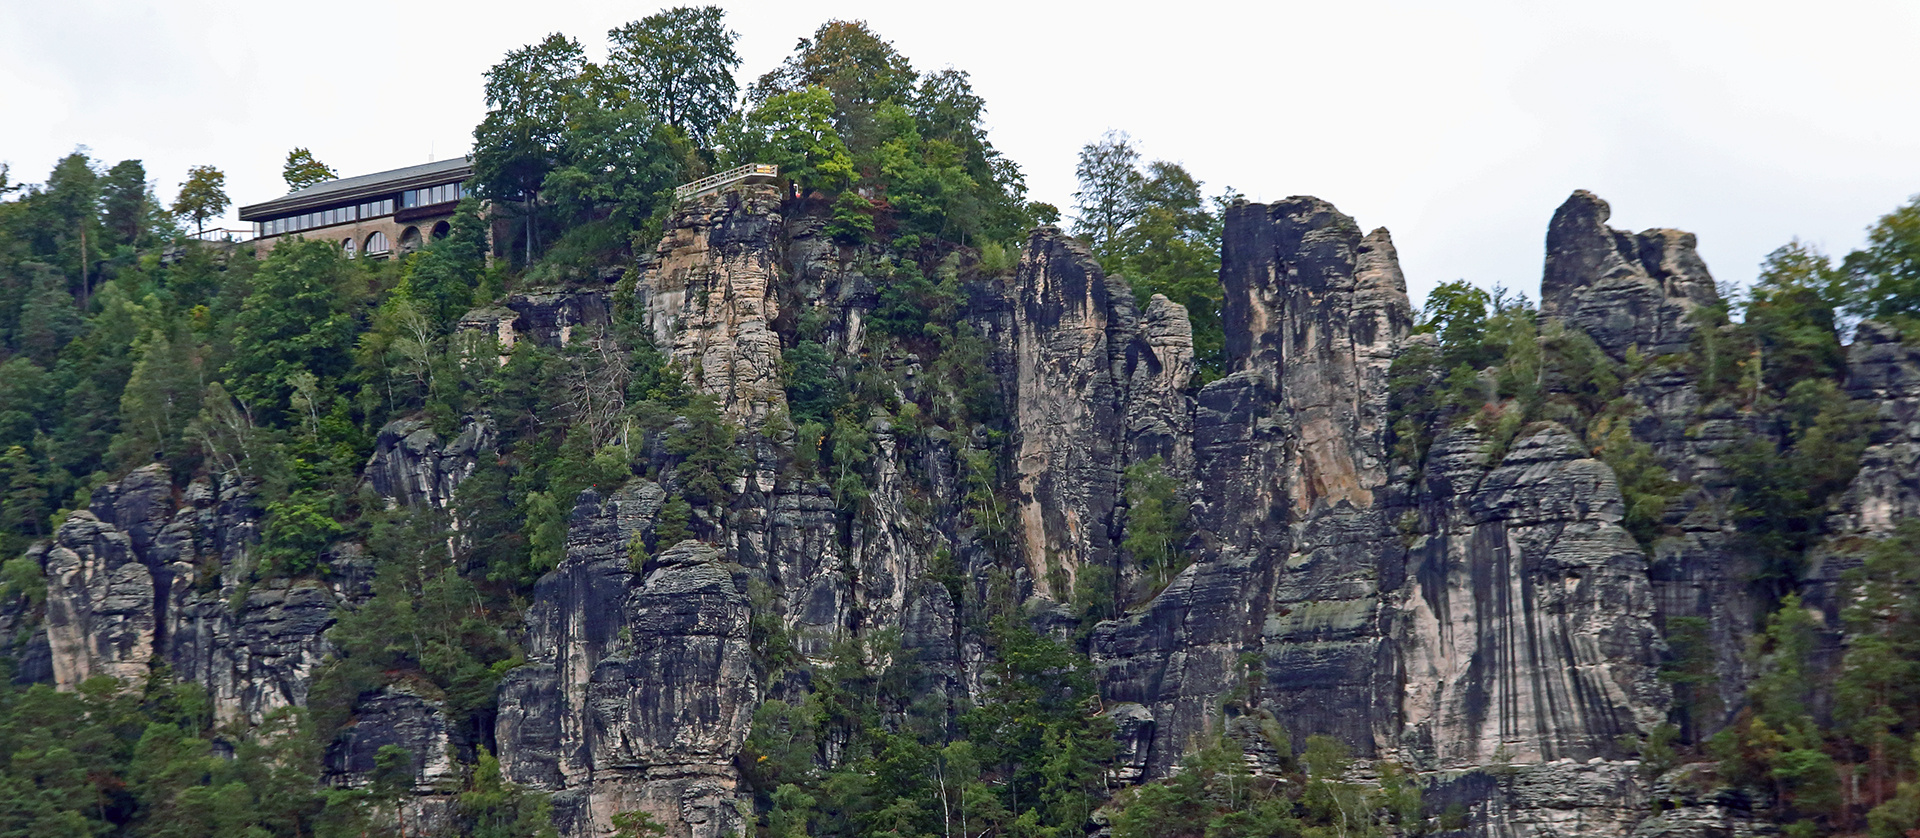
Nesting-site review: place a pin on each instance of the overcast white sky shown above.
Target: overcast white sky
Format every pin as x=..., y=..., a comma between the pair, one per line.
x=1457, y=125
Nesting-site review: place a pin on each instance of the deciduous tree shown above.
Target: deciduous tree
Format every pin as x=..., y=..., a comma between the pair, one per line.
x=203, y=195
x=302, y=170
x=678, y=64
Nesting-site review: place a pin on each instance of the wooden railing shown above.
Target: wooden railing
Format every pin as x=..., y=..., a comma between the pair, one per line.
x=712, y=182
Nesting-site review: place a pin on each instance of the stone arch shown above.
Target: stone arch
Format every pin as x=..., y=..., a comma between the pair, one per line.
x=410, y=240
x=348, y=246
x=442, y=230
x=377, y=244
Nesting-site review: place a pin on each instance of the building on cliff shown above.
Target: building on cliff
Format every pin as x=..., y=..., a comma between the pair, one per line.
x=368, y=215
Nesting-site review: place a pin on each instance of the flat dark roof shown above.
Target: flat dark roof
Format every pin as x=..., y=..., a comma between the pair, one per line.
x=349, y=189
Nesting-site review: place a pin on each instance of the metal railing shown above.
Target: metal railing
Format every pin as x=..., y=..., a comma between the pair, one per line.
x=218, y=234
x=711, y=182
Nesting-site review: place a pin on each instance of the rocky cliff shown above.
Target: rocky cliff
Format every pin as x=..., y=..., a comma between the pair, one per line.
x=1482, y=616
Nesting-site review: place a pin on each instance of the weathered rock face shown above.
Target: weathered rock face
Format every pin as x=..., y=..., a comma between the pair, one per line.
x=1093, y=387
x=1289, y=453
x=1481, y=617
x=711, y=295
x=1642, y=290
x=396, y=716
x=1067, y=405
x=1622, y=289
x=101, y=607
x=1527, y=630
x=142, y=579
x=546, y=317
x=1883, y=371
x=639, y=686
x=410, y=466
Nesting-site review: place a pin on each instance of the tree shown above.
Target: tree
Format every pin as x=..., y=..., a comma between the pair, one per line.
x=1109, y=195
x=126, y=201
x=533, y=95
x=1884, y=278
x=491, y=807
x=795, y=132
x=203, y=195
x=1877, y=693
x=1172, y=247
x=296, y=319
x=71, y=210
x=858, y=68
x=302, y=170
x=1790, y=316
x=1156, y=521
x=678, y=64
x=1456, y=314
x=618, y=159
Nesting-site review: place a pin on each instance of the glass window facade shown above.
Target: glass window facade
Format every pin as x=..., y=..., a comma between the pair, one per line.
x=324, y=218
x=445, y=193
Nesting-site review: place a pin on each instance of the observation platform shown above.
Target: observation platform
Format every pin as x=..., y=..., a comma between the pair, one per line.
x=750, y=173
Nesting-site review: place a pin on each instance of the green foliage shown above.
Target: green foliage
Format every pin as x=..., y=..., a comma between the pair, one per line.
x=1775, y=744
x=852, y=219
x=636, y=824
x=672, y=526
x=1790, y=318
x=795, y=131
x=1876, y=693
x=21, y=576
x=1156, y=523
x=491, y=807
x=1781, y=489
x=678, y=65
x=1153, y=227
x=1689, y=667
x=1644, y=482
x=1883, y=280
x=1109, y=177
x=129, y=215
x=910, y=301
x=203, y=195
x=425, y=617
x=1456, y=313
x=302, y=170
x=1036, y=730
x=1214, y=794
x=857, y=70
x=297, y=317
x=703, y=443
x=531, y=94
x=814, y=388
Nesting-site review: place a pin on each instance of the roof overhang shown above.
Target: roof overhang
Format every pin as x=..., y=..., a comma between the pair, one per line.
x=310, y=199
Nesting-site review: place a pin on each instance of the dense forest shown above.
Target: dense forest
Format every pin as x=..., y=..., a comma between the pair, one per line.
x=125, y=342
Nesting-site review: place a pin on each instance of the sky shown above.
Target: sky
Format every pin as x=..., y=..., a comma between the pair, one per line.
x=1459, y=126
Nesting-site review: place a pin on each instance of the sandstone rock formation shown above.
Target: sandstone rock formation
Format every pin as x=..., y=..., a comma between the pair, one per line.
x=639, y=685
x=1623, y=289
x=1481, y=617
x=711, y=296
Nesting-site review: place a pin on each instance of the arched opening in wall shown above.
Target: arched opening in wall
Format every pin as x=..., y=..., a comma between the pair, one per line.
x=441, y=230
x=348, y=247
x=410, y=240
x=377, y=244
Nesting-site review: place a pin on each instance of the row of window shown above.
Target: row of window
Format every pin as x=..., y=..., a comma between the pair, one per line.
x=323, y=218
x=442, y=194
